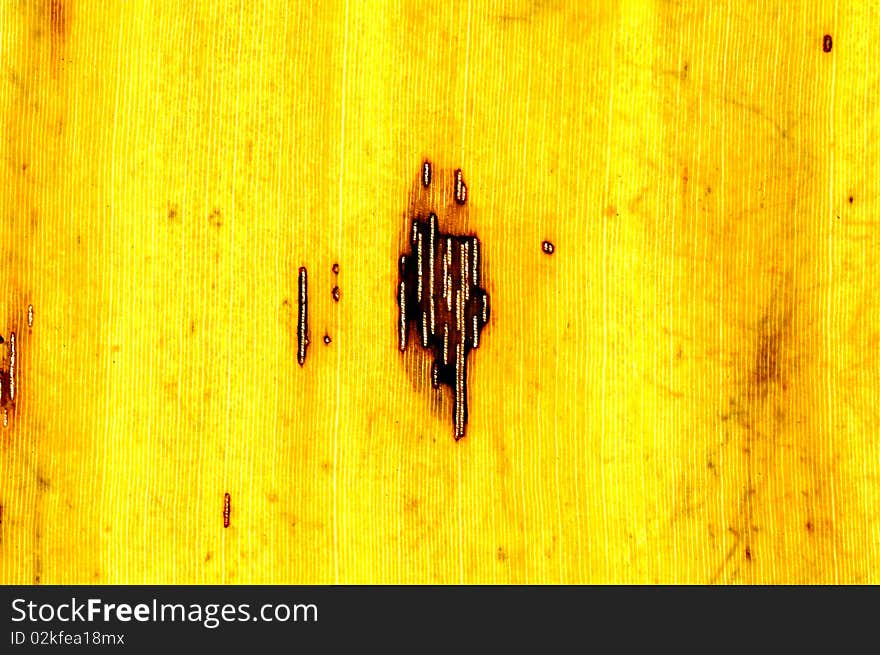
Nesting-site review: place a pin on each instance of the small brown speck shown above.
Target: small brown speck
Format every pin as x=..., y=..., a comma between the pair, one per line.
x=748, y=553
x=327, y=340
x=826, y=43
x=335, y=294
x=335, y=269
x=851, y=200
x=548, y=247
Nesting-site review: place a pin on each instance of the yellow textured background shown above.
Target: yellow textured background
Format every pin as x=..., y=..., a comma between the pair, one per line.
x=685, y=392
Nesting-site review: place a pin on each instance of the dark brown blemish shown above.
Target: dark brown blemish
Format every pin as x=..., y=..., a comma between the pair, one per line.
x=766, y=367
x=58, y=28
x=548, y=247
x=826, y=43
x=8, y=382
x=439, y=294
x=215, y=218
x=57, y=18
x=460, y=188
x=850, y=199
x=748, y=553
x=809, y=526
x=335, y=294
x=327, y=340
x=302, y=328
x=335, y=269
x=172, y=212
x=227, y=509
x=769, y=365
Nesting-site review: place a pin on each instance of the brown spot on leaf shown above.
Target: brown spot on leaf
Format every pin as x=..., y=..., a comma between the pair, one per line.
x=57, y=18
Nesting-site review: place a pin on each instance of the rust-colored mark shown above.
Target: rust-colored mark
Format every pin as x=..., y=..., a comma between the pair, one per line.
x=335, y=294
x=826, y=43
x=440, y=296
x=302, y=328
x=335, y=269
x=460, y=188
x=548, y=247
x=7, y=380
x=57, y=18
x=227, y=509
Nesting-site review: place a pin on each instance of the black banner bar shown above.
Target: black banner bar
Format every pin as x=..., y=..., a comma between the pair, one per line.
x=411, y=618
